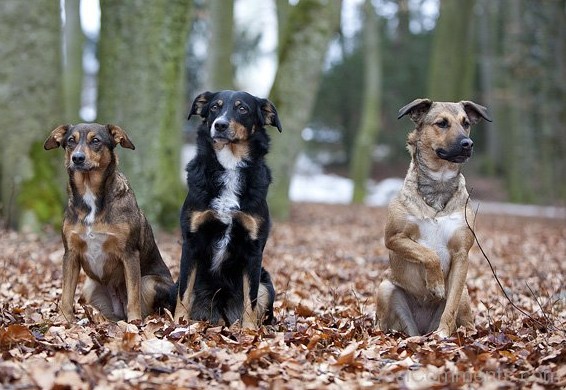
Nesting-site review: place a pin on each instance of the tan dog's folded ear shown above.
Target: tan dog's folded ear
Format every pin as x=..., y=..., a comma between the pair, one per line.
x=416, y=109
x=269, y=114
x=200, y=104
x=475, y=112
x=120, y=137
x=56, y=137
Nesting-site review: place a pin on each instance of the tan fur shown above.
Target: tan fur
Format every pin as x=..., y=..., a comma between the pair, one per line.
x=185, y=303
x=428, y=240
x=252, y=317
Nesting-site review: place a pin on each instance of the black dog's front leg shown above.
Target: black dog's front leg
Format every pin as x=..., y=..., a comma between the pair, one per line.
x=186, y=283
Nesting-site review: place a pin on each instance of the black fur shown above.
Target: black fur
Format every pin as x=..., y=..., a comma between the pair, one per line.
x=218, y=294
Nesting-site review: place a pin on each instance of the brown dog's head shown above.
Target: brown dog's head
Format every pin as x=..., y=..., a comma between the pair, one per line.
x=88, y=146
x=443, y=128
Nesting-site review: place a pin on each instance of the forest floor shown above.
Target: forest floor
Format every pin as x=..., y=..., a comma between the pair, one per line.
x=326, y=263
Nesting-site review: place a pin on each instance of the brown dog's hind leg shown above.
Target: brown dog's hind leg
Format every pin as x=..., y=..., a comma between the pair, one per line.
x=155, y=294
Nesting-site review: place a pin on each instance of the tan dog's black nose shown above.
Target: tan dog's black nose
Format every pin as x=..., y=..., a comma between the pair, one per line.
x=466, y=143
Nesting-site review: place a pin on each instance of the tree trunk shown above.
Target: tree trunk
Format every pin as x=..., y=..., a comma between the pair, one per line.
x=360, y=167
x=221, y=45
x=310, y=26
x=142, y=46
x=30, y=106
x=73, y=40
x=451, y=72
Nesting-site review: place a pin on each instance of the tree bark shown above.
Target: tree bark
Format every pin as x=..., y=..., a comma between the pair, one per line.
x=221, y=45
x=451, y=72
x=73, y=39
x=310, y=26
x=142, y=46
x=360, y=167
x=30, y=106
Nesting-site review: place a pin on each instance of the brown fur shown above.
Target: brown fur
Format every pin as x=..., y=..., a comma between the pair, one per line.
x=424, y=289
x=104, y=231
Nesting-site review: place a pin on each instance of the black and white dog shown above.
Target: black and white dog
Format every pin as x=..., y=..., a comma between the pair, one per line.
x=225, y=219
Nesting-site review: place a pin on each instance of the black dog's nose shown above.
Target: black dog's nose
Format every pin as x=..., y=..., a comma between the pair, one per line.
x=78, y=158
x=220, y=125
x=466, y=143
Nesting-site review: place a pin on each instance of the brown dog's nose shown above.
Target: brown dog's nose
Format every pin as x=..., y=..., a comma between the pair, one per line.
x=78, y=158
x=466, y=143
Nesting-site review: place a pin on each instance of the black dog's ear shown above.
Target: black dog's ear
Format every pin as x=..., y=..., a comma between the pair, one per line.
x=416, y=109
x=269, y=114
x=200, y=104
x=475, y=112
x=56, y=138
x=120, y=136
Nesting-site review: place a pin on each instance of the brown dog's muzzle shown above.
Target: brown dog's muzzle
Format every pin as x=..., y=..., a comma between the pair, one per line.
x=459, y=152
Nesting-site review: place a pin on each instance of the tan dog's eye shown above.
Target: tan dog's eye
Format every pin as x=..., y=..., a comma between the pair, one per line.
x=466, y=125
x=443, y=124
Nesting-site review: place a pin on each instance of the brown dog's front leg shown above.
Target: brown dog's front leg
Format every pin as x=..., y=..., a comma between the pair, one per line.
x=71, y=270
x=132, y=274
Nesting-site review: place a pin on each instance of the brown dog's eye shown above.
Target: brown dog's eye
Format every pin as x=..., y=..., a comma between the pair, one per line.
x=70, y=140
x=443, y=124
x=95, y=140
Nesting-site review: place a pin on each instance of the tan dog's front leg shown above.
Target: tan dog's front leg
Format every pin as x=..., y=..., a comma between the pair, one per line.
x=410, y=250
x=459, y=246
x=71, y=270
x=132, y=274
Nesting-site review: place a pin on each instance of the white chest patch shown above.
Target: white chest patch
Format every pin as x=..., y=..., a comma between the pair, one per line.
x=227, y=159
x=225, y=204
x=95, y=255
x=435, y=233
x=90, y=201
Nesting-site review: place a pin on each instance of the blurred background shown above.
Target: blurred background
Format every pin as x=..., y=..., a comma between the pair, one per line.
x=337, y=71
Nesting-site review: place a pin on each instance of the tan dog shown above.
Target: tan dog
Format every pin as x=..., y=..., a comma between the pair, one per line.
x=104, y=231
x=425, y=288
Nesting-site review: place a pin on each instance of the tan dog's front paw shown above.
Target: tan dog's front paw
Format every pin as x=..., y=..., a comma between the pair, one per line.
x=435, y=285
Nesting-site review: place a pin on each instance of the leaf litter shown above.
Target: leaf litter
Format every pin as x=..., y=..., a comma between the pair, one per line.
x=326, y=262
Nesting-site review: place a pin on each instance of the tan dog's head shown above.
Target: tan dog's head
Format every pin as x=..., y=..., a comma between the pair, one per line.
x=443, y=129
x=88, y=146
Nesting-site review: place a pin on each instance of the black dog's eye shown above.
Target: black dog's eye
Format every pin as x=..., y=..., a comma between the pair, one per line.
x=443, y=124
x=214, y=107
x=242, y=110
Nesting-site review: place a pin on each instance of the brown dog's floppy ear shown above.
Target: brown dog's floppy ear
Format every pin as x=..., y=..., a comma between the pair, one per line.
x=200, y=104
x=475, y=112
x=269, y=114
x=56, y=137
x=120, y=137
x=416, y=109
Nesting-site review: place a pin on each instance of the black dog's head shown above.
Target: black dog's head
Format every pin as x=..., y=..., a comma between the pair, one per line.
x=88, y=146
x=234, y=116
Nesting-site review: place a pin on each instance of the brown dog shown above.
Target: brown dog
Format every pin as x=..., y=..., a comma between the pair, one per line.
x=104, y=231
x=425, y=288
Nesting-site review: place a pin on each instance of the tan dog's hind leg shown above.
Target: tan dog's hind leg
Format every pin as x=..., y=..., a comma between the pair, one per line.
x=185, y=303
x=393, y=310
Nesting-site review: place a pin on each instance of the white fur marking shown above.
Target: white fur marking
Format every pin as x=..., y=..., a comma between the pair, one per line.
x=225, y=205
x=443, y=174
x=436, y=232
x=94, y=253
x=90, y=201
x=227, y=159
